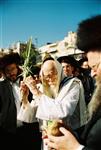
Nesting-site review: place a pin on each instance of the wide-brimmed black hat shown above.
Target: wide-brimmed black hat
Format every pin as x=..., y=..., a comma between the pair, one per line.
x=69, y=59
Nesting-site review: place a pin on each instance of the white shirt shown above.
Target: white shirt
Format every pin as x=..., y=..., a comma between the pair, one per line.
x=16, y=93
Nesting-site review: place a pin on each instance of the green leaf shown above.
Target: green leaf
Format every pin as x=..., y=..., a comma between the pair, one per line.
x=25, y=67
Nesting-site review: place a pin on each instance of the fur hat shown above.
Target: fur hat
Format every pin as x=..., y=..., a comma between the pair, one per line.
x=89, y=34
x=10, y=58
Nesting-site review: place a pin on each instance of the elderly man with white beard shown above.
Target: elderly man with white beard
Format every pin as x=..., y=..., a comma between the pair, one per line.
x=88, y=40
x=62, y=97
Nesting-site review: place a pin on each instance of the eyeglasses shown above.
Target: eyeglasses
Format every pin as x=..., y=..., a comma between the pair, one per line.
x=95, y=66
x=51, y=75
x=35, y=76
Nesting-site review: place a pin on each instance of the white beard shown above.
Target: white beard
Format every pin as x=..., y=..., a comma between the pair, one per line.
x=96, y=99
x=53, y=91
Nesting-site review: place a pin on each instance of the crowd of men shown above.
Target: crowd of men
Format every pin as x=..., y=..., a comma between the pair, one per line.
x=61, y=89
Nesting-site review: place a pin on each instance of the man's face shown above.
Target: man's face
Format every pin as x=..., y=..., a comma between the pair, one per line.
x=50, y=73
x=94, y=60
x=11, y=72
x=85, y=65
x=67, y=69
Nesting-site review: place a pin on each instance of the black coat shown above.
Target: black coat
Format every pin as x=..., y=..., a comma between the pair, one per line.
x=7, y=108
x=26, y=136
x=91, y=135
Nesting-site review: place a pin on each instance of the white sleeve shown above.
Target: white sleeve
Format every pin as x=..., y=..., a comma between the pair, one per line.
x=27, y=113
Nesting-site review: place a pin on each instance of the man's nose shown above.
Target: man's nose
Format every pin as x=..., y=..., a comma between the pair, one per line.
x=93, y=73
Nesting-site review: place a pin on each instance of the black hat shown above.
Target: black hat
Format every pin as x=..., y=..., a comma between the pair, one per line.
x=70, y=60
x=11, y=58
x=47, y=57
x=89, y=34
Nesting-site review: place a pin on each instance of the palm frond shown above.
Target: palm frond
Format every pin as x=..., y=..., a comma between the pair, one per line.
x=25, y=67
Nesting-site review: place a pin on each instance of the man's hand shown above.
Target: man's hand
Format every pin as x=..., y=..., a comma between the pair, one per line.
x=24, y=92
x=65, y=142
x=32, y=85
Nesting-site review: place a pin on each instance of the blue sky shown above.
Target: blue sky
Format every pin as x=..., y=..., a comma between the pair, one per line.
x=44, y=20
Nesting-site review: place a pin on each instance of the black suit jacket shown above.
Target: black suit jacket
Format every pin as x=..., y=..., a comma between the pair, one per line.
x=90, y=136
x=26, y=136
x=7, y=108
